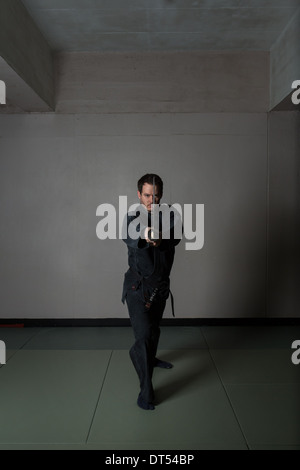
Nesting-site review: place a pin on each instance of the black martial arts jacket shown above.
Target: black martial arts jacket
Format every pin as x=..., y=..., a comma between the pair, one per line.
x=149, y=267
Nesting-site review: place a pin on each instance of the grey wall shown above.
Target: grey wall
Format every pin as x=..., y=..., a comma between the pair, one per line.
x=55, y=169
x=285, y=62
x=178, y=82
x=284, y=214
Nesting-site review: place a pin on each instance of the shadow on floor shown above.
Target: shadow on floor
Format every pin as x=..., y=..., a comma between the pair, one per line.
x=185, y=380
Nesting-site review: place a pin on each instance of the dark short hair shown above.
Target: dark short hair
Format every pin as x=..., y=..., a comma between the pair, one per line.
x=148, y=178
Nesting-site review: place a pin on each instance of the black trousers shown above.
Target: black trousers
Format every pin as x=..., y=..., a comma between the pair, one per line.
x=145, y=323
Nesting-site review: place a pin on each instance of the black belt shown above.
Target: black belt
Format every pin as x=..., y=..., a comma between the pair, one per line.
x=148, y=304
x=172, y=303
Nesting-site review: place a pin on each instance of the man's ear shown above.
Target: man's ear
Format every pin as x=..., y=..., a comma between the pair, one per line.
x=139, y=195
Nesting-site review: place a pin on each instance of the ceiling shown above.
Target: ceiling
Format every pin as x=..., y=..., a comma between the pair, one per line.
x=145, y=26
x=161, y=25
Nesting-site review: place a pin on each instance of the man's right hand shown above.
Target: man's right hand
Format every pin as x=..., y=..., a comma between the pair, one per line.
x=155, y=243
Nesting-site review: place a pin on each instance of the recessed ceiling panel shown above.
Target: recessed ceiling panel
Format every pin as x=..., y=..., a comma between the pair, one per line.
x=161, y=25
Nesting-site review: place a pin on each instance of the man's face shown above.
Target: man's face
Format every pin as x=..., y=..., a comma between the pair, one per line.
x=146, y=196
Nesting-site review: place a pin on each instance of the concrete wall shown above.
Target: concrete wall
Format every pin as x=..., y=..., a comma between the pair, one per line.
x=55, y=169
x=162, y=82
x=20, y=97
x=284, y=214
x=285, y=63
x=25, y=50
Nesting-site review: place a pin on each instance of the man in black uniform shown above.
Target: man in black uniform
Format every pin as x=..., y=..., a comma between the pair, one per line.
x=146, y=284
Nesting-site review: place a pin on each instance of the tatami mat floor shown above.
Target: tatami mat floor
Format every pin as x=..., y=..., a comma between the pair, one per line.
x=232, y=387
